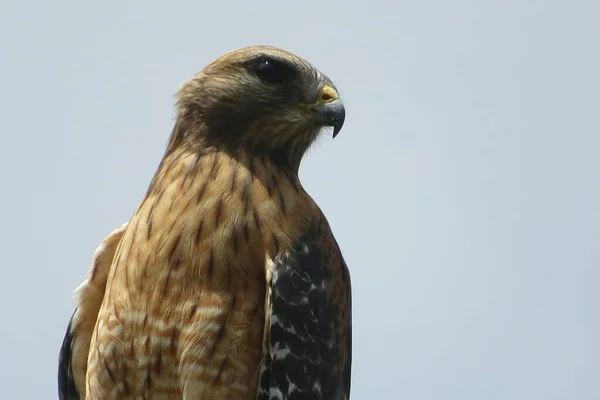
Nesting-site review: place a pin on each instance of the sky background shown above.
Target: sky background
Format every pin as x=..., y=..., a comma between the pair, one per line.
x=464, y=189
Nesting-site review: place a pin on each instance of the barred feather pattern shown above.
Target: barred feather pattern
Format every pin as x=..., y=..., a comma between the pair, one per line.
x=183, y=312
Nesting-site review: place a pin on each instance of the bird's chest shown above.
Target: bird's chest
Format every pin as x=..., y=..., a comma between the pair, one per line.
x=185, y=306
x=183, y=313
x=186, y=324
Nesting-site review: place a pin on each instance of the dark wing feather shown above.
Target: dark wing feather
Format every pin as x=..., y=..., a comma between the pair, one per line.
x=308, y=340
x=66, y=382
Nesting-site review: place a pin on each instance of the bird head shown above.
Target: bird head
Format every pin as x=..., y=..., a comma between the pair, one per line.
x=260, y=100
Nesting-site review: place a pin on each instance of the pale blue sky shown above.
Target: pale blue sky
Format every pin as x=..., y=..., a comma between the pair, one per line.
x=464, y=189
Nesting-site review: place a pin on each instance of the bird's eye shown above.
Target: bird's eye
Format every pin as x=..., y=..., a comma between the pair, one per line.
x=271, y=71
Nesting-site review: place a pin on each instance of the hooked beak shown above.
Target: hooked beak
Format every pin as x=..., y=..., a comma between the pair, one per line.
x=329, y=109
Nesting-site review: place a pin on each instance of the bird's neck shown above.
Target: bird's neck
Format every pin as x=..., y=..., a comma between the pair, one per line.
x=280, y=151
x=237, y=198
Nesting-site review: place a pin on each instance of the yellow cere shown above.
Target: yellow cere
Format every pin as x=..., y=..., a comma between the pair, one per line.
x=327, y=95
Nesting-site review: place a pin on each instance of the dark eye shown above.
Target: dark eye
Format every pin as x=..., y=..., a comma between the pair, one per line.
x=271, y=71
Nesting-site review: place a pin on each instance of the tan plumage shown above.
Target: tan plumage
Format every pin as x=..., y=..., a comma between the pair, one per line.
x=190, y=302
x=89, y=299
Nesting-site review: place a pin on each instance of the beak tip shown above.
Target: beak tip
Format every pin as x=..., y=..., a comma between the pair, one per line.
x=337, y=116
x=331, y=114
x=336, y=130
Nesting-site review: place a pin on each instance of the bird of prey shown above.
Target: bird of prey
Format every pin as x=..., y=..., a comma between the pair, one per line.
x=227, y=282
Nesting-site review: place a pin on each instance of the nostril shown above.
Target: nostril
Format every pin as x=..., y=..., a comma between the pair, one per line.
x=326, y=97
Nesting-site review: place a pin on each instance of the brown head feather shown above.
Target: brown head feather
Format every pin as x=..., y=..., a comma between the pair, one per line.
x=228, y=107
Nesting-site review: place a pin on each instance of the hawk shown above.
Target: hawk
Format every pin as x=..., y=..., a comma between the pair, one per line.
x=227, y=282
